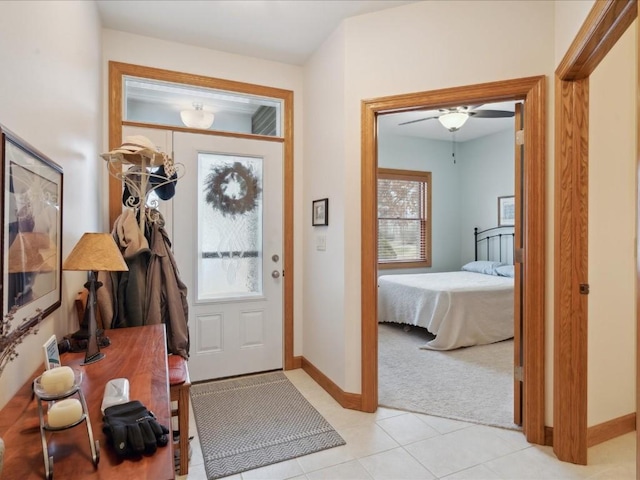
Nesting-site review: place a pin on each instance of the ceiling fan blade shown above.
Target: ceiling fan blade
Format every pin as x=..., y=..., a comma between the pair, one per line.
x=416, y=121
x=491, y=113
x=465, y=108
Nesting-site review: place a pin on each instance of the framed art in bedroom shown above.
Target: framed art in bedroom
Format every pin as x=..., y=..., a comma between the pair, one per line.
x=506, y=211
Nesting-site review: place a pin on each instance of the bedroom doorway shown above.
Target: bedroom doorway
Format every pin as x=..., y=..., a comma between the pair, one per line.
x=427, y=311
x=530, y=261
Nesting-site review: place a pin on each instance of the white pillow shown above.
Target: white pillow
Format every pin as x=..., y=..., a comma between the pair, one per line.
x=482, y=266
x=505, y=271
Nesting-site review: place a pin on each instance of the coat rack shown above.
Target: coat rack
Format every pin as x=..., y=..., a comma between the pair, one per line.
x=149, y=170
x=143, y=177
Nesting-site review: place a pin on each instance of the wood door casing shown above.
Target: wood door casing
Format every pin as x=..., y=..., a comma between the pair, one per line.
x=517, y=286
x=604, y=25
x=532, y=91
x=570, y=308
x=118, y=70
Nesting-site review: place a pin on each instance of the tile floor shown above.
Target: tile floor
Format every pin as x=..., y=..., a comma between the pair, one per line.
x=397, y=445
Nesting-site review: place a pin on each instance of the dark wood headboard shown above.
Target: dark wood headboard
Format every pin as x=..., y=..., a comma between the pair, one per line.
x=494, y=244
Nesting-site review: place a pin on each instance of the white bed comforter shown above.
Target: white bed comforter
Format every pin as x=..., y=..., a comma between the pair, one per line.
x=460, y=308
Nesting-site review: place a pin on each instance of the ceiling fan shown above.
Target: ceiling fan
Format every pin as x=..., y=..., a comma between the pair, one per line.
x=454, y=118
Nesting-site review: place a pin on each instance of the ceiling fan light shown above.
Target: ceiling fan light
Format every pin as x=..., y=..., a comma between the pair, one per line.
x=454, y=120
x=197, y=118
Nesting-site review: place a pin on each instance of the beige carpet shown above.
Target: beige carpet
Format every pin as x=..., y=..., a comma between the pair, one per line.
x=473, y=384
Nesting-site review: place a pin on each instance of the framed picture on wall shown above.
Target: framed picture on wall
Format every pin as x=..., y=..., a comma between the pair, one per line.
x=32, y=229
x=506, y=211
x=320, y=214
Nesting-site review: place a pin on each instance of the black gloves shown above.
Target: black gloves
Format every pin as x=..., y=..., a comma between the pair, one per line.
x=133, y=430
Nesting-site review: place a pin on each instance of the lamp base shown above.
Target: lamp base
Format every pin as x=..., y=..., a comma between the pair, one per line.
x=93, y=358
x=78, y=341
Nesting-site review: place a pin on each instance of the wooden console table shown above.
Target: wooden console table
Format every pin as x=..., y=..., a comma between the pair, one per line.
x=138, y=354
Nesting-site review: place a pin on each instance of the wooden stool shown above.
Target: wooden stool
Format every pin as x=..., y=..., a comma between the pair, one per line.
x=179, y=386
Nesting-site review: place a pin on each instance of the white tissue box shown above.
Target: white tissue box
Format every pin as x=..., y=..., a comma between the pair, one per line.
x=116, y=391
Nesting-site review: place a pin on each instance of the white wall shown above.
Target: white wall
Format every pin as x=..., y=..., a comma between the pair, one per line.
x=150, y=52
x=51, y=98
x=417, y=47
x=324, y=177
x=487, y=171
x=611, y=367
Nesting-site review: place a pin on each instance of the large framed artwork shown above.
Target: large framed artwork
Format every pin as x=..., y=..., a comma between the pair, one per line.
x=32, y=230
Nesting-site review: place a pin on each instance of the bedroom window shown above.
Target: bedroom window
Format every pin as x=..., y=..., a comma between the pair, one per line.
x=404, y=218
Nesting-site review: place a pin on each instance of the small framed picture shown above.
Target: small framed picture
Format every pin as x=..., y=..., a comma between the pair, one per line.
x=320, y=214
x=51, y=353
x=506, y=211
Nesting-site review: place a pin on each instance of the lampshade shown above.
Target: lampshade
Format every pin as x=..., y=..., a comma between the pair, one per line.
x=453, y=121
x=32, y=252
x=197, y=118
x=96, y=252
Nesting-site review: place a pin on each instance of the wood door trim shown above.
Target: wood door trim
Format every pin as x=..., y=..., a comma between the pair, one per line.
x=517, y=297
x=570, y=269
x=605, y=24
x=597, y=434
x=532, y=91
x=117, y=70
x=248, y=136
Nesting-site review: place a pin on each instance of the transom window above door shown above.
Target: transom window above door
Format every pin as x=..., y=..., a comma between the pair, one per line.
x=188, y=106
x=404, y=218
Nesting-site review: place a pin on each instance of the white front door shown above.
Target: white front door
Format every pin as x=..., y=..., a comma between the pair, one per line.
x=228, y=244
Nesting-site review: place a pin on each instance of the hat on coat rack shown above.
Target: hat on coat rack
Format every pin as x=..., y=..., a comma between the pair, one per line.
x=131, y=191
x=159, y=181
x=164, y=183
x=134, y=148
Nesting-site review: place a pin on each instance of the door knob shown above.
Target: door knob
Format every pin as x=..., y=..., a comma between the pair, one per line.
x=275, y=274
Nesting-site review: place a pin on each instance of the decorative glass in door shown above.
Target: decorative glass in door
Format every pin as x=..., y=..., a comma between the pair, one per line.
x=230, y=208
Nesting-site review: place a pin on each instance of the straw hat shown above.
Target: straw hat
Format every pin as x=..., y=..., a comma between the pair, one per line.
x=135, y=149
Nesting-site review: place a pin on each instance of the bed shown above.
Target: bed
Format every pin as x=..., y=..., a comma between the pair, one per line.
x=473, y=306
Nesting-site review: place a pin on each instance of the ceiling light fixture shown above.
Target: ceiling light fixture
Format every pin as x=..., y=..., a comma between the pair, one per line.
x=197, y=118
x=453, y=121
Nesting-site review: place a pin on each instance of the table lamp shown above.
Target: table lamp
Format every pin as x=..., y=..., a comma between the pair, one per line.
x=94, y=252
